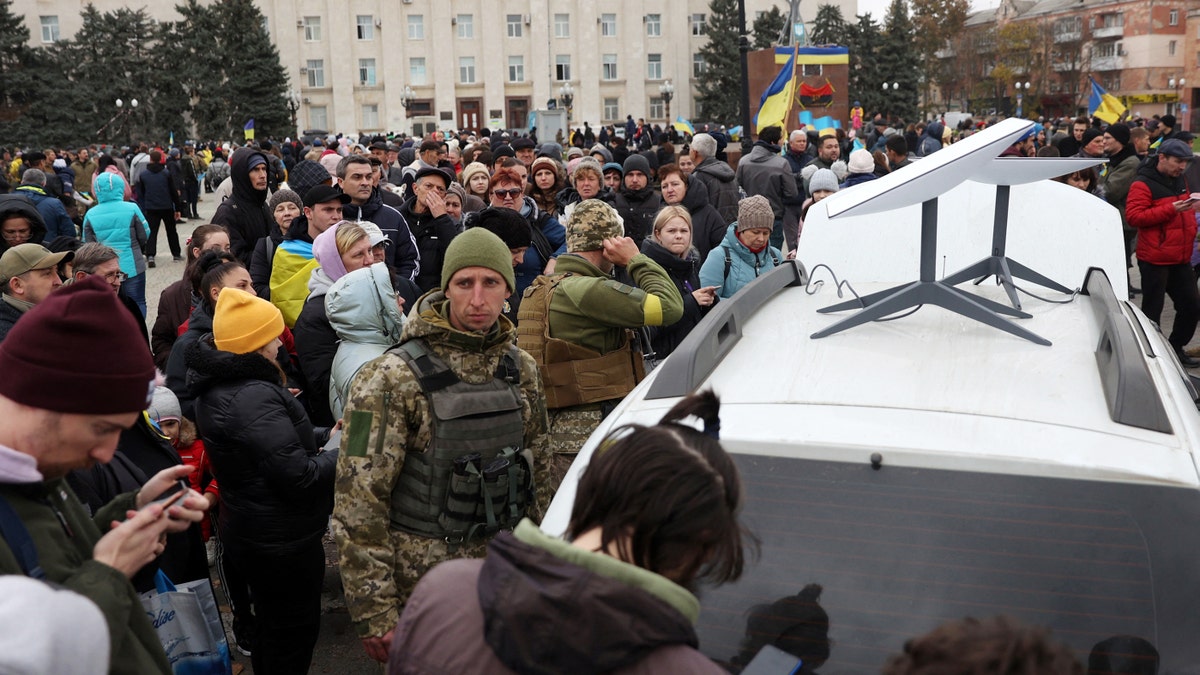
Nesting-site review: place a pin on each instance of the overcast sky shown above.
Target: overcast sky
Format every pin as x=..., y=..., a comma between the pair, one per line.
x=878, y=8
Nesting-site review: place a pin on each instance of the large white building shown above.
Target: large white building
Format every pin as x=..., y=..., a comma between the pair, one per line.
x=467, y=62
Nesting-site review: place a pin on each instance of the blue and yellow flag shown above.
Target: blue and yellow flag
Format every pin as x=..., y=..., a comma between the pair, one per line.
x=681, y=125
x=775, y=101
x=248, y=130
x=1104, y=105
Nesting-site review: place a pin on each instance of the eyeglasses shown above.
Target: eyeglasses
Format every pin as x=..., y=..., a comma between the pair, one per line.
x=507, y=194
x=115, y=277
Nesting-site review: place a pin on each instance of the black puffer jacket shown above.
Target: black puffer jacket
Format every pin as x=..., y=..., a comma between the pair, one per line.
x=245, y=212
x=708, y=228
x=686, y=275
x=199, y=325
x=637, y=209
x=569, y=195
x=276, y=485
x=433, y=236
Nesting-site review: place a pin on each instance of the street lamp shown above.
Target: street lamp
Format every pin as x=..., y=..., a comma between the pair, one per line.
x=407, y=97
x=1022, y=89
x=667, y=91
x=1176, y=85
x=567, y=94
x=893, y=87
x=125, y=114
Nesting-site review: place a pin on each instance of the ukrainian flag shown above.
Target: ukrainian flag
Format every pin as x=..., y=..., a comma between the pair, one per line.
x=684, y=126
x=1104, y=105
x=248, y=130
x=773, y=106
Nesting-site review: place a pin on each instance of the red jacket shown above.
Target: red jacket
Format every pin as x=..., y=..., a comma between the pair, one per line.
x=1164, y=236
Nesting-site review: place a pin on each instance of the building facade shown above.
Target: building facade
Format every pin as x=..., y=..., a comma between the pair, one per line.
x=405, y=65
x=1038, y=55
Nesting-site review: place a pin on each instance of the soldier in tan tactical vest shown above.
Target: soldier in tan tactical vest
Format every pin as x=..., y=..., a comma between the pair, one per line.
x=576, y=323
x=444, y=443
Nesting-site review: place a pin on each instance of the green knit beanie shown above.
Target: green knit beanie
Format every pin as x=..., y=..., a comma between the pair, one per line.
x=478, y=248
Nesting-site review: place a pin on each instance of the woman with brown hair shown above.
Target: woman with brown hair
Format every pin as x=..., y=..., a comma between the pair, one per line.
x=549, y=178
x=177, y=301
x=708, y=228
x=655, y=514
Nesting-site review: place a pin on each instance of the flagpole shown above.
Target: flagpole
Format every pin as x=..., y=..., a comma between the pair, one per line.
x=787, y=116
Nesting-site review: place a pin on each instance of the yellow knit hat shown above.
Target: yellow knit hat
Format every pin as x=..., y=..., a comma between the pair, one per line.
x=244, y=323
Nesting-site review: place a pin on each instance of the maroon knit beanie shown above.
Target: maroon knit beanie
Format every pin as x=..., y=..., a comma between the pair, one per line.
x=78, y=351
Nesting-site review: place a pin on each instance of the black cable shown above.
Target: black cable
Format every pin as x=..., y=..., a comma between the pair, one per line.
x=814, y=285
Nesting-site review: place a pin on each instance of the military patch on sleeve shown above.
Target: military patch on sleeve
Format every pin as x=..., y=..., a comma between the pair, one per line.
x=359, y=428
x=620, y=287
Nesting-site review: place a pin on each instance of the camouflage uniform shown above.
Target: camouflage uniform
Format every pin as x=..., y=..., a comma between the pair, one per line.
x=380, y=565
x=591, y=309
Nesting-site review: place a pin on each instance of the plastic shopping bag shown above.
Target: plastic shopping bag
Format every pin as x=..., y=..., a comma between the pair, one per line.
x=188, y=624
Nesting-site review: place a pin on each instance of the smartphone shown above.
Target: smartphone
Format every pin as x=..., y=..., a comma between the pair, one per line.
x=173, y=494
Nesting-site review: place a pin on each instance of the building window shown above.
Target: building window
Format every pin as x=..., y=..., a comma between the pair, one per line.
x=1171, y=48
x=516, y=69
x=654, y=67
x=514, y=25
x=612, y=107
x=654, y=25
x=318, y=117
x=812, y=70
x=416, y=70
x=312, y=29
x=608, y=25
x=656, y=108
x=466, y=26
x=562, y=67
x=466, y=69
x=1174, y=20
x=365, y=24
x=416, y=27
x=370, y=116
x=316, y=72
x=698, y=25
x=366, y=72
x=562, y=25
x=699, y=65
x=608, y=69
x=49, y=28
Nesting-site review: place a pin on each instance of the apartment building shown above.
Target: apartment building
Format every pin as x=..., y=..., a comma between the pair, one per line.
x=378, y=65
x=1043, y=52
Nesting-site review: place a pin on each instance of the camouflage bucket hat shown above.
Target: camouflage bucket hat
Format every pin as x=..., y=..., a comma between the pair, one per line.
x=591, y=222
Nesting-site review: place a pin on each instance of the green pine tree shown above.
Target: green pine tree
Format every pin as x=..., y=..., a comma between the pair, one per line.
x=863, y=40
x=899, y=63
x=829, y=27
x=256, y=83
x=768, y=28
x=720, y=88
x=194, y=43
x=15, y=74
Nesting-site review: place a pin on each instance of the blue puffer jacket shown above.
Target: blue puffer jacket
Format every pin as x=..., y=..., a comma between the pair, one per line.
x=117, y=223
x=362, y=309
x=744, y=265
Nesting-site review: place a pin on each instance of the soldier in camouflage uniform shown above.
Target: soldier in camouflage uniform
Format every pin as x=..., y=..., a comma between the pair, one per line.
x=576, y=324
x=392, y=434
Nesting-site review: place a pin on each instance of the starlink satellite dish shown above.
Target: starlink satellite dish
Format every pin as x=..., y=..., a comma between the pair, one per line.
x=922, y=182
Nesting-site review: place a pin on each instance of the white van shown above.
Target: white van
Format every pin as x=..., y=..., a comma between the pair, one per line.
x=928, y=466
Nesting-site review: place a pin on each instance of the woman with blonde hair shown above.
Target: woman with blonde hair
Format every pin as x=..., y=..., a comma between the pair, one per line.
x=341, y=249
x=670, y=246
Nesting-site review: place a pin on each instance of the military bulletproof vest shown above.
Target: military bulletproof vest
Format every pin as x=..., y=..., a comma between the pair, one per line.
x=573, y=374
x=475, y=478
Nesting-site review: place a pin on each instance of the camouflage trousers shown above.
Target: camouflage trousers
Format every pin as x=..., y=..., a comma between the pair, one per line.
x=569, y=430
x=416, y=555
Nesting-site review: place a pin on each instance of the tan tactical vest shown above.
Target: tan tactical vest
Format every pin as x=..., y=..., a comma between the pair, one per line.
x=571, y=374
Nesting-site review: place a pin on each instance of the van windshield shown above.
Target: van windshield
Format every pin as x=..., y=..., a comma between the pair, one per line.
x=898, y=551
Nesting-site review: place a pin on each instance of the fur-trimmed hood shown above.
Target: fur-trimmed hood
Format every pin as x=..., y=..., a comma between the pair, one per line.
x=208, y=366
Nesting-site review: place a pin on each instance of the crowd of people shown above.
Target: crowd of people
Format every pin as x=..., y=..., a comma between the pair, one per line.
x=407, y=342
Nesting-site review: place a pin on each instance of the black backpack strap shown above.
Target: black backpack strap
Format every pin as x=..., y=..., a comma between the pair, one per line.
x=509, y=368
x=17, y=535
x=728, y=263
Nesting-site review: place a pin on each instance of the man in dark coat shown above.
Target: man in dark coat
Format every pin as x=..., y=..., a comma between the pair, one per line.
x=425, y=213
x=245, y=212
x=636, y=201
x=354, y=176
x=159, y=196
